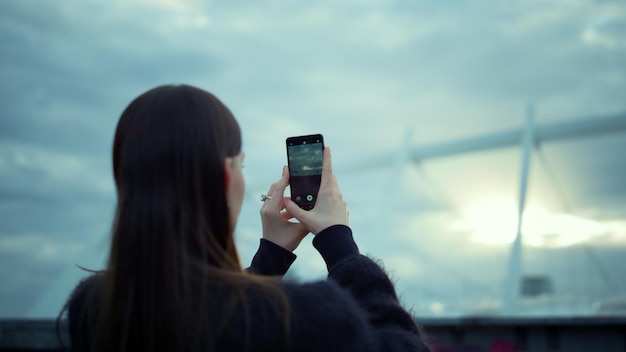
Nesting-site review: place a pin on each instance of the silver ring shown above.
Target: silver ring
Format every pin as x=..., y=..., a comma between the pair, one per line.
x=265, y=197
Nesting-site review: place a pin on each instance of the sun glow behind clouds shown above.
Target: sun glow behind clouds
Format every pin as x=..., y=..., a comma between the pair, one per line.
x=493, y=220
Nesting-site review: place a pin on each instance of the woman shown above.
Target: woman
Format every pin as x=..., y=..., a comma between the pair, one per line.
x=174, y=281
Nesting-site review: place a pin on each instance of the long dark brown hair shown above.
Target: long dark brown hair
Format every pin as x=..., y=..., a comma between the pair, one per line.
x=174, y=279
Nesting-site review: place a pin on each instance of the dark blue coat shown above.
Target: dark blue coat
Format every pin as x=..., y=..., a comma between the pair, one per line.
x=356, y=309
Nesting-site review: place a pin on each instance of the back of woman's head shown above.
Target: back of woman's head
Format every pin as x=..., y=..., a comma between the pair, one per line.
x=168, y=161
x=172, y=233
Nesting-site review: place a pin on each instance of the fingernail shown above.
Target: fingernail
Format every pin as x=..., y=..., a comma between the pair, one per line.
x=284, y=169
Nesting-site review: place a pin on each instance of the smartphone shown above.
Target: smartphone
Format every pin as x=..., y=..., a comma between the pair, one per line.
x=305, y=156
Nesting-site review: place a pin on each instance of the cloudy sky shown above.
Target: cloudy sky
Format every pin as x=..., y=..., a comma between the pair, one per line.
x=378, y=79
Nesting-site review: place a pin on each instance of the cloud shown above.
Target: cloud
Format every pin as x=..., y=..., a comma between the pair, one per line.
x=39, y=247
x=360, y=73
x=28, y=167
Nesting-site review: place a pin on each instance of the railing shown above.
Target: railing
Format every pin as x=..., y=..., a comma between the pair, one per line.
x=606, y=334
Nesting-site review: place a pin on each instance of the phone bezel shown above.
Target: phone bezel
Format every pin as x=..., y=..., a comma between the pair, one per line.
x=301, y=140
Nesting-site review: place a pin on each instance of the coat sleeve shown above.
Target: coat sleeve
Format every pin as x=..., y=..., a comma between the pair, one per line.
x=394, y=328
x=271, y=260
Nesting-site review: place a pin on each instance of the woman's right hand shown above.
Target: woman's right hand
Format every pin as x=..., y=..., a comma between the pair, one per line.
x=330, y=209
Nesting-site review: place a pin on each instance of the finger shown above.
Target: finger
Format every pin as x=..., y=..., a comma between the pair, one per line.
x=268, y=202
x=286, y=215
x=281, y=184
x=327, y=166
x=269, y=193
x=278, y=188
x=293, y=209
x=271, y=190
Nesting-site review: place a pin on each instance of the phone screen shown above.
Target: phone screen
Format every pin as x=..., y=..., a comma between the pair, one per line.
x=305, y=156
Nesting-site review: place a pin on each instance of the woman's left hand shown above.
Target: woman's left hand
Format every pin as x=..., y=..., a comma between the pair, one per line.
x=276, y=225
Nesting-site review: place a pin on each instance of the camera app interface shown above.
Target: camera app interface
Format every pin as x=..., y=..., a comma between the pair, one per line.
x=305, y=167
